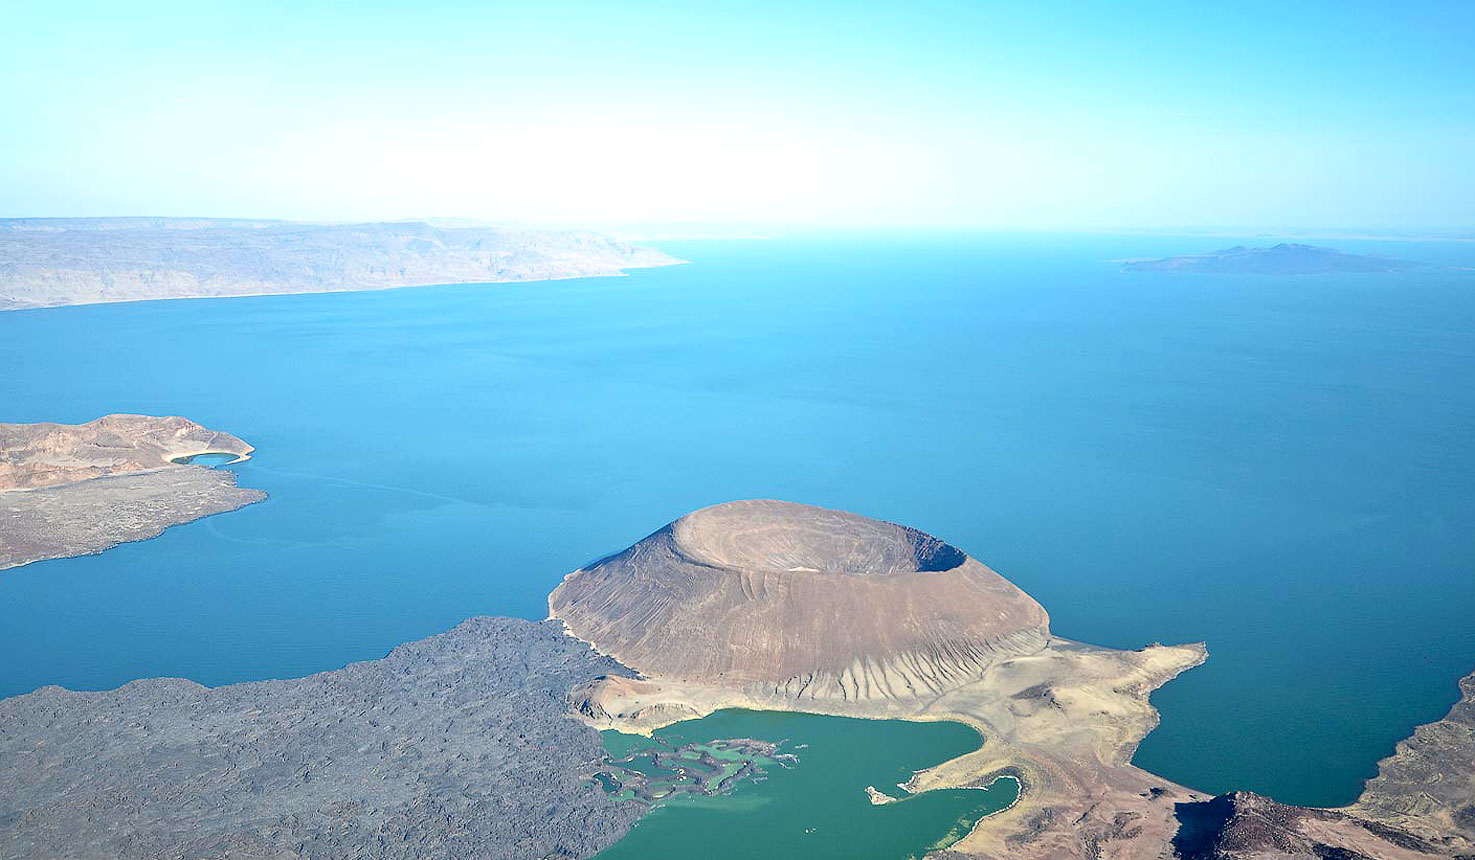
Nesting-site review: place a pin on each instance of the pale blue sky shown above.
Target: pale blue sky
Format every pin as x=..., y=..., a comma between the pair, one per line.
x=997, y=115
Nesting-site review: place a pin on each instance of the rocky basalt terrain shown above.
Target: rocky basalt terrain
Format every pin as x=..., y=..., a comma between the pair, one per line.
x=456, y=746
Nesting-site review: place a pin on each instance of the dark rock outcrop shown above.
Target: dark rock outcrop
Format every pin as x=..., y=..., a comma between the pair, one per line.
x=96, y=515
x=455, y=746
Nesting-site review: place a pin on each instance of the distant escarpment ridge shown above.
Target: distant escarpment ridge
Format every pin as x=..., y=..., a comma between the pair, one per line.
x=45, y=262
x=1287, y=258
x=78, y=489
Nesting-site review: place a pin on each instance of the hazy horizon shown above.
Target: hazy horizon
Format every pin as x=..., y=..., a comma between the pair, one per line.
x=698, y=230
x=1263, y=118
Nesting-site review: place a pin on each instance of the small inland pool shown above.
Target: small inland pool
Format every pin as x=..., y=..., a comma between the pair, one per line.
x=209, y=458
x=758, y=784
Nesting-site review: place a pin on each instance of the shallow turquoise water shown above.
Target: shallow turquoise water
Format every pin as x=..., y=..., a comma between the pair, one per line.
x=1280, y=467
x=208, y=459
x=818, y=808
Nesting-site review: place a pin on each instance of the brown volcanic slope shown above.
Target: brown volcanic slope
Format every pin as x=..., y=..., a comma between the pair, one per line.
x=48, y=455
x=772, y=605
x=414, y=755
x=778, y=606
x=76, y=489
x=803, y=601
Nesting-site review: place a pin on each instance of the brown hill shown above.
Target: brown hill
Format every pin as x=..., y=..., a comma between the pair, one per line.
x=772, y=605
x=76, y=489
x=808, y=602
x=48, y=455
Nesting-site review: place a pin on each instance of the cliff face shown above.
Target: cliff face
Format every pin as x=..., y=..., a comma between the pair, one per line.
x=47, y=262
x=48, y=455
x=801, y=601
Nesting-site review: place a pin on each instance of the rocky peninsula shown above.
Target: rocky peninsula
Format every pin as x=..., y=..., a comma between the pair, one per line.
x=76, y=489
x=46, y=262
x=778, y=606
x=1287, y=258
x=481, y=742
x=773, y=605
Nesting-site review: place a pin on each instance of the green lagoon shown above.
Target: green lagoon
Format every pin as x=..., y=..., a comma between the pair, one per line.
x=809, y=798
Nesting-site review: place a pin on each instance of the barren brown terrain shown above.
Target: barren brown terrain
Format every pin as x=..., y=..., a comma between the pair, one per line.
x=76, y=489
x=772, y=605
x=48, y=455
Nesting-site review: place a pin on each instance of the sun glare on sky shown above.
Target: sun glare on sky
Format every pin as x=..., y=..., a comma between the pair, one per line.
x=817, y=114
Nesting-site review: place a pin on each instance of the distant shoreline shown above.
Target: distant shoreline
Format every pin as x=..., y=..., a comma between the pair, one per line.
x=4, y=308
x=107, y=261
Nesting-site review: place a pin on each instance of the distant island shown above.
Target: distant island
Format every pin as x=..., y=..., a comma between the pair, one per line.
x=45, y=262
x=1287, y=258
x=77, y=489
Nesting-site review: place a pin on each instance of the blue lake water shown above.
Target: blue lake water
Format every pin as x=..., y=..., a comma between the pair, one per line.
x=211, y=458
x=1279, y=466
